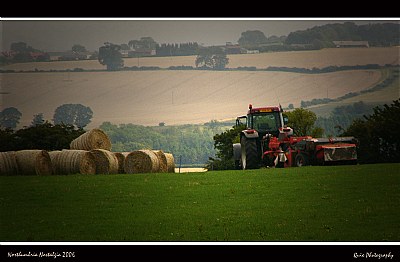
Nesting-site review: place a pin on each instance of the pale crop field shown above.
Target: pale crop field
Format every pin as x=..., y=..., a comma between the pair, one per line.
x=301, y=59
x=172, y=96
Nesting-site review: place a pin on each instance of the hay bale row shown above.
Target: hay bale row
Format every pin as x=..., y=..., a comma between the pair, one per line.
x=33, y=162
x=170, y=163
x=97, y=161
x=121, y=159
x=73, y=162
x=8, y=164
x=106, y=161
x=141, y=161
x=92, y=139
x=148, y=161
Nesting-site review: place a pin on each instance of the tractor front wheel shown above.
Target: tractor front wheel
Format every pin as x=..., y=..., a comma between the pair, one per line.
x=250, y=159
x=301, y=160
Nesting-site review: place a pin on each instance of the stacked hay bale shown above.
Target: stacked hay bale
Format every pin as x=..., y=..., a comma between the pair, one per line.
x=141, y=161
x=8, y=164
x=121, y=159
x=73, y=162
x=106, y=161
x=162, y=161
x=170, y=162
x=33, y=162
x=93, y=139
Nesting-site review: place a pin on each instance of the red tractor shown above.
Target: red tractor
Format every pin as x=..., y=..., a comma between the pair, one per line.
x=268, y=141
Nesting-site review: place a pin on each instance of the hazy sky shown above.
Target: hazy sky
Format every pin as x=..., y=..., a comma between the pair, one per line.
x=61, y=35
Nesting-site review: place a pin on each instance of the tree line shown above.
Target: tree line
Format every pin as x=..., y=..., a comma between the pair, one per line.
x=76, y=115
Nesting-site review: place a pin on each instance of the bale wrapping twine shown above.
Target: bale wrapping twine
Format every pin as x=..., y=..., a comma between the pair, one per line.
x=170, y=162
x=106, y=161
x=92, y=139
x=33, y=162
x=162, y=160
x=73, y=162
x=120, y=158
x=8, y=164
x=141, y=161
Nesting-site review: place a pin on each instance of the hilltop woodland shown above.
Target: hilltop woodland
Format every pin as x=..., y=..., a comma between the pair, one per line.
x=315, y=38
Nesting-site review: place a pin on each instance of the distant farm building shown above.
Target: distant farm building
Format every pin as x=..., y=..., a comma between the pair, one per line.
x=351, y=43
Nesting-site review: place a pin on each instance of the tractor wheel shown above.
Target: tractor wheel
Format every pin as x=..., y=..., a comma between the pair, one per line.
x=250, y=159
x=301, y=160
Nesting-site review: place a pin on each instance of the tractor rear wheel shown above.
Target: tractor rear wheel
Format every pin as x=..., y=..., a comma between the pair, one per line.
x=301, y=160
x=250, y=159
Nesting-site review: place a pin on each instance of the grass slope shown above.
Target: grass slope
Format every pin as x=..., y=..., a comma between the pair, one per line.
x=341, y=203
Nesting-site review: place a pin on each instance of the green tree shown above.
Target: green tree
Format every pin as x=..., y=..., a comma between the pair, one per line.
x=252, y=38
x=78, y=48
x=223, y=144
x=213, y=58
x=37, y=119
x=110, y=56
x=9, y=118
x=73, y=114
x=302, y=121
x=378, y=136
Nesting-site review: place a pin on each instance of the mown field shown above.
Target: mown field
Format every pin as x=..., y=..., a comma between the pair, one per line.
x=179, y=97
x=172, y=96
x=302, y=59
x=340, y=203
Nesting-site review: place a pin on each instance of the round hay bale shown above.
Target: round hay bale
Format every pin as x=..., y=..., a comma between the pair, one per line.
x=170, y=162
x=141, y=161
x=121, y=158
x=54, y=157
x=106, y=161
x=92, y=139
x=33, y=162
x=73, y=162
x=8, y=164
x=162, y=160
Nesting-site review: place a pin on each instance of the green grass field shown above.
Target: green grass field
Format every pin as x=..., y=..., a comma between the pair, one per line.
x=340, y=203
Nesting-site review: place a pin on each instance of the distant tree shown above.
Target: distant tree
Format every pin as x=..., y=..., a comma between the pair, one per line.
x=252, y=38
x=124, y=47
x=78, y=48
x=302, y=121
x=73, y=114
x=161, y=124
x=110, y=56
x=213, y=58
x=37, y=119
x=9, y=118
x=144, y=42
x=21, y=47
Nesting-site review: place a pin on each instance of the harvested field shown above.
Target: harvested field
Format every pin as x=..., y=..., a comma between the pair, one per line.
x=303, y=59
x=173, y=97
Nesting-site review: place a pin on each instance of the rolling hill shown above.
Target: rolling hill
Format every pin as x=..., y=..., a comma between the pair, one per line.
x=191, y=96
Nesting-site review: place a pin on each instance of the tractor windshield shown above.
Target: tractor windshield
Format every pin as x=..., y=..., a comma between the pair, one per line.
x=265, y=122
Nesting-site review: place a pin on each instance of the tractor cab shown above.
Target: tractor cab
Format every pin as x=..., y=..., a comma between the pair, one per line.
x=263, y=120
